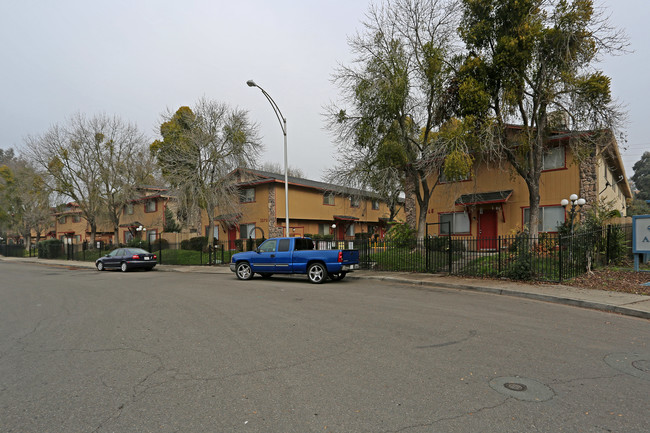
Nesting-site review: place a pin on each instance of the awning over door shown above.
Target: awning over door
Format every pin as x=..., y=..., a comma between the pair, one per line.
x=484, y=198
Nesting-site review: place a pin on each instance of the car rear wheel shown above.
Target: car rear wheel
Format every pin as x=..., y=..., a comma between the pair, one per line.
x=244, y=271
x=123, y=267
x=317, y=273
x=100, y=266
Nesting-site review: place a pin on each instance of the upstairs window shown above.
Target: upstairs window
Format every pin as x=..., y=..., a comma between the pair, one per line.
x=355, y=202
x=247, y=195
x=443, y=179
x=128, y=209
x=328, y=198
x=76, y=219
x=62, y=220
x=554, y=158
x=150, y=206
x=375, y=204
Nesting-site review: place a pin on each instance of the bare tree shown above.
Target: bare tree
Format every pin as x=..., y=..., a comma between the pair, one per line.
x=397, y=96
x=200, y=147
x=91, y=161
x=24, y=197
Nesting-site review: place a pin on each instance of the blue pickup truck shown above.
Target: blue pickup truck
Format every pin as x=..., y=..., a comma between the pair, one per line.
x=294, y=256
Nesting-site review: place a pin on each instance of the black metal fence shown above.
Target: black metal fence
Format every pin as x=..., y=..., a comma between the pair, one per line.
x=549, y=257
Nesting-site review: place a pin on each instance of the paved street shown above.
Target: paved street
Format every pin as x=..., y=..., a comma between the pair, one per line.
x=88, y=351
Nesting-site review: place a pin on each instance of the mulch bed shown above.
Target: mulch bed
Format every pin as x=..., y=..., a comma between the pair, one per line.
x=613, y=280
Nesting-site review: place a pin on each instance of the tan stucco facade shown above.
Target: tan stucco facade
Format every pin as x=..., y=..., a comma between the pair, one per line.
x=600, y=177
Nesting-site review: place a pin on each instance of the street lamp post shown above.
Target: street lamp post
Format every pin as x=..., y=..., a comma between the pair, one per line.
x=576, y=204
x=283, y=125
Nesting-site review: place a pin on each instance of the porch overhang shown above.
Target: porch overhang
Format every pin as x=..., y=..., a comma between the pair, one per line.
x=484, y=198
x=345, y=218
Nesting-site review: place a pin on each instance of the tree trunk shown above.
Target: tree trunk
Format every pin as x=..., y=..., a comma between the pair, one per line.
x=533, y=214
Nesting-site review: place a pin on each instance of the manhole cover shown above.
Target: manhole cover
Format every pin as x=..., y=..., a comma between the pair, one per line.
x=634, y=364
x=515, y=386
x=522, y=388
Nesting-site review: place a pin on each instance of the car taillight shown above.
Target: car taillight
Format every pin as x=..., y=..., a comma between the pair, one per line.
x=155, y=257
x=340, y=256
x=136, y=257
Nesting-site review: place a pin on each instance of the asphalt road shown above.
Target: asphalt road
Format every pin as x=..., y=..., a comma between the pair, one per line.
x=88, y=351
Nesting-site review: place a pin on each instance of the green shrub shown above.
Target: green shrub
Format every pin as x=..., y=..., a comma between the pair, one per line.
x=198, y=243
x=50, y=249
x=160, y=244
x=401, y=235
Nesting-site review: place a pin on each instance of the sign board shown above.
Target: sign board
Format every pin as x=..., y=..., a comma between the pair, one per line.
x=641, y=234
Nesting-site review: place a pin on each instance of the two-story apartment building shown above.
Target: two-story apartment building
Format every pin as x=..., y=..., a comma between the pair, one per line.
x=314, y=208
x=493, y=200
x=143, y=217
x=72, y=228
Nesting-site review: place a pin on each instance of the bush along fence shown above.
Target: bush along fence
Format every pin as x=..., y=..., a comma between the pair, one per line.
x=550, y=257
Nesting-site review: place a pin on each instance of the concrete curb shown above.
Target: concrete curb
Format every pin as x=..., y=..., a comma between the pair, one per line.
x=516, y=293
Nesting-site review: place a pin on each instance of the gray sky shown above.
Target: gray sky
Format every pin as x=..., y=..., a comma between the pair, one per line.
x=139, y=58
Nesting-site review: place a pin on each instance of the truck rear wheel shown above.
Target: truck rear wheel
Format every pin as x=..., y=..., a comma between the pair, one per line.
x=317, y=273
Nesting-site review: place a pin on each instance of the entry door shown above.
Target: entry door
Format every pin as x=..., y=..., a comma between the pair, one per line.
x=341, y=232
x=487, y=230
x=232, y=236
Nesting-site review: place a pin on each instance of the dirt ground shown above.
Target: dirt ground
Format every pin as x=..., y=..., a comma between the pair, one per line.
x=614, y=280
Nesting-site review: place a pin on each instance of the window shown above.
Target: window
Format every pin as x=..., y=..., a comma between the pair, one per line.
x=550, y=217
x=215, y=232
x=77, y=238
x=62, y=220
x=151, y=235
x=128, y=236
x=349, y=231
x=354, y=202
x=128, y=209
x=459, y=223
x=247, y=195
x=553, y=159
x=375, y=204
x=328, y=198
x=443, y=179
x=268, y=246
x=150, y=206
x=323, y=229
x=246, y=231
x=283, y=245
x=304, y=244
x=76, y=219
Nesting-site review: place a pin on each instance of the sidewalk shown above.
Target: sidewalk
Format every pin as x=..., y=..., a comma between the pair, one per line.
x=614, y=302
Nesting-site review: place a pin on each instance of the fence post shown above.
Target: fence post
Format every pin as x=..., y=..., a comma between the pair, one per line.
x=609, y=232
x=560, y=257
x=499, y=252
x=450, y=252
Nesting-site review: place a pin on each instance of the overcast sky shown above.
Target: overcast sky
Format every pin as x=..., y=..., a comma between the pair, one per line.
x=139, y=58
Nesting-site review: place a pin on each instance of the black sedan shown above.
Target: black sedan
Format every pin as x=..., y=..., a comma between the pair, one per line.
x=127, y=258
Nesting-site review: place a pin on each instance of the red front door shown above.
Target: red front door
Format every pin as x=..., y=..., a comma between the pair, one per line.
x=487, y=230
x=232, y=236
